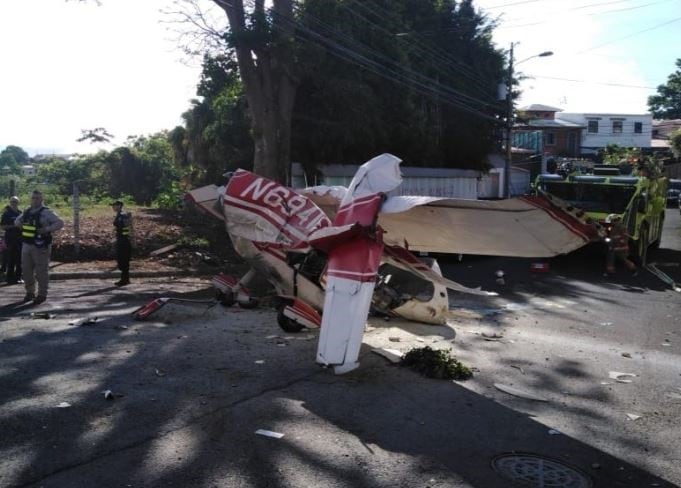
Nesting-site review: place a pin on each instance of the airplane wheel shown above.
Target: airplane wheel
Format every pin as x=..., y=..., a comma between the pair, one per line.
x=286, y=323
x=225, y=299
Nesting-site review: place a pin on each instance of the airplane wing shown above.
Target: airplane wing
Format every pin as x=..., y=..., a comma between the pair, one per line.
x=531, y=226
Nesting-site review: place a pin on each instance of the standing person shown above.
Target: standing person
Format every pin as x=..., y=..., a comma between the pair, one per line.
x=37, y=223
x=12, y=240
x=123, y=227
x=618, y=246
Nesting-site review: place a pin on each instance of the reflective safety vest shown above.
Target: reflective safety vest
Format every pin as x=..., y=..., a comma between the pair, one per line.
x=31, y=222
x=620, y=241
x=122, y=224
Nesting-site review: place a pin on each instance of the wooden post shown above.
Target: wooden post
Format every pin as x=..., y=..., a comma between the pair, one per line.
x=76, y=219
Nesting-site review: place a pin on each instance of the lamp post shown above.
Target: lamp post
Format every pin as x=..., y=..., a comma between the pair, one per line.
x=509, y=115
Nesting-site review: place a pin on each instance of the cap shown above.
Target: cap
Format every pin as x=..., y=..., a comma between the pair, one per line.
x=117, y=202
x=14, y=199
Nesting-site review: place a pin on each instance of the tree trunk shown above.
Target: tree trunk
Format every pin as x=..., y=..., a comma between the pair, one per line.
x=269, y=86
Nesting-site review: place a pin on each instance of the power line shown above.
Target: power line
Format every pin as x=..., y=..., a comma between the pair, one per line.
x=595, y=82
x=592, y=14
x=630, y=35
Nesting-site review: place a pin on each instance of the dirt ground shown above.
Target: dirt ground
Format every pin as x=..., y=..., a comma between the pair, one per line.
x=201, y=243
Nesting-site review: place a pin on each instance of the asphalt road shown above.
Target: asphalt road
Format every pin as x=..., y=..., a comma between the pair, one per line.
x=191, y=387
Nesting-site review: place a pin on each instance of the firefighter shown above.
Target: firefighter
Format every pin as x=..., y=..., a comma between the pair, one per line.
x=123, y=227
x=618, y=246
x=12, y=240
x=37, y=223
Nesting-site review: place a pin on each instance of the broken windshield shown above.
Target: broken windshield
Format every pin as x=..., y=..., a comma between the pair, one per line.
x=592, y=197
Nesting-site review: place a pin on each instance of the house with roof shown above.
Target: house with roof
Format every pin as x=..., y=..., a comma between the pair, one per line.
x=580, y=134
x=540, y=129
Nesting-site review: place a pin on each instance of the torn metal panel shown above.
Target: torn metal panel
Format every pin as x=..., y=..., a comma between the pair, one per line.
x=523, y=227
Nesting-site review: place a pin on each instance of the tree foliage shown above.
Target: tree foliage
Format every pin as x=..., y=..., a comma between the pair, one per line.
x=142, y=168
x=675, y=141
x=12, y=158
x=96, y=135
x=346, y=113
x=667, y=103
x=216, y=133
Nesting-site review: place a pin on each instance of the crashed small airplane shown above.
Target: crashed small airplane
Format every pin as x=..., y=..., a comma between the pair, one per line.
x=334, y=253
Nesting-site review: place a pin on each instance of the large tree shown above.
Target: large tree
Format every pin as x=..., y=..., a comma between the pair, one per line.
x=667, y=103
x=263, y=42
x=413, y=77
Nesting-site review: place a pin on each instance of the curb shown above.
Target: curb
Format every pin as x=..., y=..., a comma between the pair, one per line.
x=133, y=274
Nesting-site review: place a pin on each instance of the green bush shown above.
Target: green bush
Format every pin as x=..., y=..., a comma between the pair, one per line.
x=436, y=364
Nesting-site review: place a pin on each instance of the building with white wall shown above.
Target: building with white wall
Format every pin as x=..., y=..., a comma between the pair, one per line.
x=627, y=130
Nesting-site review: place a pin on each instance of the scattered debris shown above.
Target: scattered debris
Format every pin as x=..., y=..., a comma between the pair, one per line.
x=605, y=324
x=554, y=432
x=269, y=433
x=41, y=315
x=620, y=377
x=674, y=395
x=64, y=405
x=84, y=321
x=392, y=355
x=108, y=394
x=520, y=368
x=163, y=250
x=492, y=336
x=121, y=327
x=260, y=361
x=633, y=416
x=519, y=393
x=159, y=372
x=539, y=267
x=626, y=355
x=436, y=364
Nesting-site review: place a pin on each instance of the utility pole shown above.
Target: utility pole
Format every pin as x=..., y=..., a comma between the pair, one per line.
x=509, y=125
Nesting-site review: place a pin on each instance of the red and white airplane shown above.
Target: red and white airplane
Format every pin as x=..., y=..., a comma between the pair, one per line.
x=334, y=253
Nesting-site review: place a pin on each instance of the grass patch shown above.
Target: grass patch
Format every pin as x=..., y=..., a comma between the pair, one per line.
x=436, y=364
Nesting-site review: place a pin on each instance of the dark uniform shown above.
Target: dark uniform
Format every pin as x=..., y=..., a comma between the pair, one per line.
x=122, y=225
x=13, y=242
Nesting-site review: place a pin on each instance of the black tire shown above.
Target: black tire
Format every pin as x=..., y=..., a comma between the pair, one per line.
x=225, y=299
x=286, y=323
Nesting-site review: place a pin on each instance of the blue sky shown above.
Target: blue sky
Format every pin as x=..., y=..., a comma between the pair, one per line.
x=574, y=30
x=78, y=66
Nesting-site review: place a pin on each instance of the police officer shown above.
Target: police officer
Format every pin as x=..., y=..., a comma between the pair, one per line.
x=123, y=227
x=37, y=223
x=12, y=240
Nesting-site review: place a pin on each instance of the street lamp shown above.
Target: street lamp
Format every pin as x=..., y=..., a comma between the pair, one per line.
x=509, y=115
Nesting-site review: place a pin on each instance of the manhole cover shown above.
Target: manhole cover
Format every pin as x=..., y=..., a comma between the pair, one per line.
x=539, y=472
